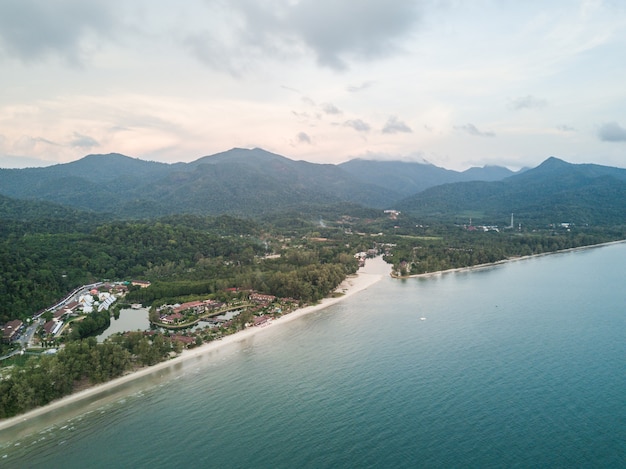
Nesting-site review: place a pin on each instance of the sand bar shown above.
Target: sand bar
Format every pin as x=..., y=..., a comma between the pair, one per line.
x=374, y=270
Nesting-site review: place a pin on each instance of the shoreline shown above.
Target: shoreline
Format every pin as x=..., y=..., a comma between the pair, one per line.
x=472, y=268
x=375, y=269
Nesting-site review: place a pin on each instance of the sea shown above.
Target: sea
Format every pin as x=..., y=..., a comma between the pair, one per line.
x=521, y=364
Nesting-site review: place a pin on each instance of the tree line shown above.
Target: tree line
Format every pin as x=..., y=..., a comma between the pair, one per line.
x=45, y=378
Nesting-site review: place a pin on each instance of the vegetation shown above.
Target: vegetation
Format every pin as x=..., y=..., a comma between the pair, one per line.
x=47, y=377
x=444, y=247
x=306, y=225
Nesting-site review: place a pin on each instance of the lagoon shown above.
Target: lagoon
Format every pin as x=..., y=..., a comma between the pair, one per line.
x=130, y=320
x=520, y=364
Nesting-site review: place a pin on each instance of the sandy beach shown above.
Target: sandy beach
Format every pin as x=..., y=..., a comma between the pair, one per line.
x=374, y=270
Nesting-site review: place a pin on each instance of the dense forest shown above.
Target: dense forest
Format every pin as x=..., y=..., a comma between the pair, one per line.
x=38, y=268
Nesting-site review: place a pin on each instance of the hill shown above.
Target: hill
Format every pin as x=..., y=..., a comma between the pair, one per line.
x=239, y=182
x=408, y=178
x=553, y=192
x=259, y=184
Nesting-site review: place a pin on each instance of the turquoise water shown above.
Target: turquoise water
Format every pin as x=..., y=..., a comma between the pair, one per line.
x=519, y=365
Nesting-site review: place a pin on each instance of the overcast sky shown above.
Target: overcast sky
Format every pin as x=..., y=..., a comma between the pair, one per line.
x=457, y=83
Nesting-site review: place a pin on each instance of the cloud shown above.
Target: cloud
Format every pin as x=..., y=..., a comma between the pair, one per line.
x=363, y=86
x=27, y=144
x=527, y=102
x=393, y=126
x=358, y=125
x=336, y=33
x=32, y=30
x=289, y=88
x=302, y=117
x=472, y=130
x=83, y=141
x=565, y=128
x=329, y=108
x=12, y=161
x=303, y=137
x=612, y=132
x=340, y=31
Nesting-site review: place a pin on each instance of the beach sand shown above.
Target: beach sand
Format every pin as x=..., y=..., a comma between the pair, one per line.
x=374, y=270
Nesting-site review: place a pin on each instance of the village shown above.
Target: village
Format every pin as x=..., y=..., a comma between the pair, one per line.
x=48, y=325
x=189, y=323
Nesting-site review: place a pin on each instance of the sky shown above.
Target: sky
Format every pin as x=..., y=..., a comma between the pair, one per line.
x=456, y=83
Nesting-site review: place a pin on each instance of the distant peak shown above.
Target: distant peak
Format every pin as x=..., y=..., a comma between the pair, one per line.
x=105, y=155
x=553, y=161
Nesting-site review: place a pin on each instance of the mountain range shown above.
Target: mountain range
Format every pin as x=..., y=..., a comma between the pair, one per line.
x=553, y=192
x=256, y=183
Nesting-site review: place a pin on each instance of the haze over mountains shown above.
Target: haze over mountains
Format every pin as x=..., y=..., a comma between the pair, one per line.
x=253, y=183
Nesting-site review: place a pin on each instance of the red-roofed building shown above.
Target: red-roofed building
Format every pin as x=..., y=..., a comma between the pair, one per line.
x=260, y=298
x=47, y=327
x=196, y=305
x=171, y=318
x=262, y=321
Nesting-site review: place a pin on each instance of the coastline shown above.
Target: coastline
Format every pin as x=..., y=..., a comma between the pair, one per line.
x=373, y=271
x=506, y=261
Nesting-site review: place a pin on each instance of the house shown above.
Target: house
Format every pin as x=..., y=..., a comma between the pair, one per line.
x=52, y=327
x=59, y=313
x=171, y=318
x=262, y=321
x=260, y=298
x=198, y=306
x=48, y=327
x=67, y=309
x=11, y=330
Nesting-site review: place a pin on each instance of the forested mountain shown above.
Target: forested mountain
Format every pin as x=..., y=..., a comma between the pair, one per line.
x=553, y=192
x=19, y=217
x=239, y=182
x=253, y=182
x=259, y=184
x=408, y=178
